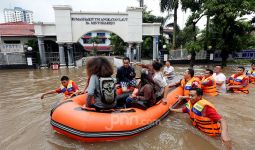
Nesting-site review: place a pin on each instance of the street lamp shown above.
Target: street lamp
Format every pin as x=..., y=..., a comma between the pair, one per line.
x=29, y=49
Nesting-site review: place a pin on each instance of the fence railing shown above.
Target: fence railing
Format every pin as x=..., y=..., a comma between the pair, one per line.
x=12, y=58
x=52, y=57
x=184, y=55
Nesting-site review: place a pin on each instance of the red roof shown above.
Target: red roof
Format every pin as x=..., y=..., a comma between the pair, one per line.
x=16, y=29
x=99, y=48
x=88, y=37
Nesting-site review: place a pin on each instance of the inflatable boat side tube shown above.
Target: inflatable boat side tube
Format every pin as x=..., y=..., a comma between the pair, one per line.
x=107, y=134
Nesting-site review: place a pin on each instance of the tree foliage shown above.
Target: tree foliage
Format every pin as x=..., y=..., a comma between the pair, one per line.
x=94, y=40
x=169, y=5
x=118, y=45
x=229, y=32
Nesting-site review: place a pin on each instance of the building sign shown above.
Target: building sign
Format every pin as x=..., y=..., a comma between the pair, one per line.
x=100, y=21
x=12, y=48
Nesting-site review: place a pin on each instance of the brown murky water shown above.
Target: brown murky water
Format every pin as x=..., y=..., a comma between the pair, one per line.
x=25, y=118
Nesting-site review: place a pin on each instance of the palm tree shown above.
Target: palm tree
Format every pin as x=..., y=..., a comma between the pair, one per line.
x=94, y=40
x=168, y=5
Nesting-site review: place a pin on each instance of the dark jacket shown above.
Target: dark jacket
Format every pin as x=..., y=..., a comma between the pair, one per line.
x=125, y=74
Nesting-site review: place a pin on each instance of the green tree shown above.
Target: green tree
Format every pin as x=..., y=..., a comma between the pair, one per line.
x=228, y=30
x=94, y=40
x=197, y=13
x=169, y=5
x=118, y=45
x=147, y=44
x=147, y=47
x=33, y=43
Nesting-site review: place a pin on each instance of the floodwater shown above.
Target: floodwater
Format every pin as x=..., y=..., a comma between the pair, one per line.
x=25, y=118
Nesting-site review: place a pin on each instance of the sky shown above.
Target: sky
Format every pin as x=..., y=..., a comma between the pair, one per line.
x=43, y=11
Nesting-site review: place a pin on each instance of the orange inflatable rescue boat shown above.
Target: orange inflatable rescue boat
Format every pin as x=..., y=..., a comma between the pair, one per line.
x=70, y=119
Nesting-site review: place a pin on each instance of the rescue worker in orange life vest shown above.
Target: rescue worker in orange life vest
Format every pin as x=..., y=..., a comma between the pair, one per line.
x=239, y=82
x=205, y=117
x=68, y=87
x=187, y=83
x=208, y=84
x=251, y=74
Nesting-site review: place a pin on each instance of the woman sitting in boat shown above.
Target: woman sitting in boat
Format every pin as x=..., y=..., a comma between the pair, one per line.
x=144, y=97
x=100, y=87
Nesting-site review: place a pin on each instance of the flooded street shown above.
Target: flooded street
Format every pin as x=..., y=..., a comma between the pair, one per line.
x=25, y=118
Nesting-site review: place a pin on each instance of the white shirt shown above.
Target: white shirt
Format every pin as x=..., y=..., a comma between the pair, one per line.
x=220, y=78
x=159, y=79
x=168, y=69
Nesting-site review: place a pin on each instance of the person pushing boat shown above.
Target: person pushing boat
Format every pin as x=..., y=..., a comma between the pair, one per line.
x=68, y=87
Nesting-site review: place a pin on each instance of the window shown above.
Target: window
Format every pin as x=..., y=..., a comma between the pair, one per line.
x=11, y=42
x=88, y=34
x=102, y=41
x=86, y=41
x=100, y=34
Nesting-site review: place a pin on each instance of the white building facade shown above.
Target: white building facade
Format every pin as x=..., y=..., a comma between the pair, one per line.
x=103, y=44
x=71, y=26
x=18, y=15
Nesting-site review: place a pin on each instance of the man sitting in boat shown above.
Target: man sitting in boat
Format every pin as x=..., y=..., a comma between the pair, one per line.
x=187, y=83
x=205, y=117
x=142, y=97
x=251, y=74
x=126, y=76
x=208, y=84
x=68, y=87
x=100, y=87
x=159, y=80
x=239, y=82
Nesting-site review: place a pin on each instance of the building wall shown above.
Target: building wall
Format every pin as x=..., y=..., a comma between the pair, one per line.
x=18, y=14
x=9, y=15
x=71, y=25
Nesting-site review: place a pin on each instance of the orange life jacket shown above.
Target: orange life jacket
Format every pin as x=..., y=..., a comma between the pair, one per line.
x=187, y=86
x=68, y=91
x=204, y=124
x=210, y=90
x=237, y=80
x=251, y=74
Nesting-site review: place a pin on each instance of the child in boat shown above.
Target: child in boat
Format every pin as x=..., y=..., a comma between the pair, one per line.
x=100, y=87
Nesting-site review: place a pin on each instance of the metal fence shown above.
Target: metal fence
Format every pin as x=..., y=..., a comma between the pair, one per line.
x=184, y=55
x=52, y=57
x=12, y=58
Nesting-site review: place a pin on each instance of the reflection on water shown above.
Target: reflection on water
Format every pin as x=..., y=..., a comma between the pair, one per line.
x=25, y=119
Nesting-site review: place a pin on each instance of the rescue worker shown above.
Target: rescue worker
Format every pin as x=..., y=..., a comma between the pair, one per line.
x=205, y=117
x=239, y=82
x=208, y=84
x=251, y=74
x=187, y=83
x=68, y=87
